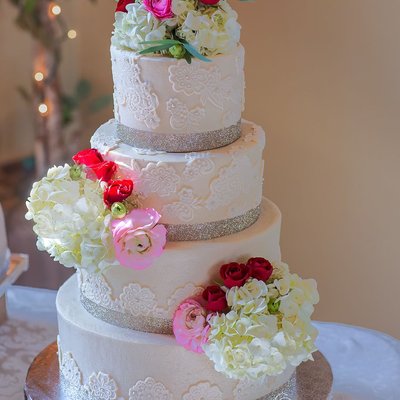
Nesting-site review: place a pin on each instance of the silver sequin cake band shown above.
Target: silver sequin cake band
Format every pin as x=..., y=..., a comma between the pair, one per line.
x=182, y=143
x=288, y=391
x=149, y=324
x=212, y=230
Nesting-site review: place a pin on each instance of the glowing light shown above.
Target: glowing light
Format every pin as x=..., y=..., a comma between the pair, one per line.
x=43, y=108
x=55, y=9
x=72, y=34
x=39, y=76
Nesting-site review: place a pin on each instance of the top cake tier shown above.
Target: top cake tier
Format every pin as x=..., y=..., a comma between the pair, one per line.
x=167, y=104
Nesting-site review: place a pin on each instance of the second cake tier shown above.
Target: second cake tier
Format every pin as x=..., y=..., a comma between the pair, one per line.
x=194, y=188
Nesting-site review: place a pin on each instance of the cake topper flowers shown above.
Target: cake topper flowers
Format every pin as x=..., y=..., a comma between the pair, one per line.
x=86, y=219
x=177, y=28
x=256, y=323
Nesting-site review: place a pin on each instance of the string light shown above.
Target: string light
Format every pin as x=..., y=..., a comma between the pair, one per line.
x=72, y=34
x=39, y=76
x=55, y=9
x=43, y=108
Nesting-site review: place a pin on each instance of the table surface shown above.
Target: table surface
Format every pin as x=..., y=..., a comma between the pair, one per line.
x=365, y=363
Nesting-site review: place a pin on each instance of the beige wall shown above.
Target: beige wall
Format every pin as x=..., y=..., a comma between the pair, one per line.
x=323, y=79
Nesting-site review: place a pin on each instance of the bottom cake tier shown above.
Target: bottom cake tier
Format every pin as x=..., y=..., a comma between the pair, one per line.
x=99, y=361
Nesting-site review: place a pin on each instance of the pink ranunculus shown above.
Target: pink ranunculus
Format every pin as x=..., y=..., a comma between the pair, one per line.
x=190, y=326
x=161, y=9
x=138, y=239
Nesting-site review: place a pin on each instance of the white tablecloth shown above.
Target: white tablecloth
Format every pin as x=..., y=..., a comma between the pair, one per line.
x=365, y=363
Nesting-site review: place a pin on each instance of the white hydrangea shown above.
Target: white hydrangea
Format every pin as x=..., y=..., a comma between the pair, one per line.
x=71, y=220
x=252, y=297
x=252, y=340
x=135, y=26
x=211, y=30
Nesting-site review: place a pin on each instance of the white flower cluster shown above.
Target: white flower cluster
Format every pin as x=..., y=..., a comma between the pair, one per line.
x=211, y=30
x=136, y=26
x=71, y=220
x=268, y=328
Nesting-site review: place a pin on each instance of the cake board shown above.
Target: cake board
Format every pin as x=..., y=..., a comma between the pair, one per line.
x=17, y=265
x=314, y=379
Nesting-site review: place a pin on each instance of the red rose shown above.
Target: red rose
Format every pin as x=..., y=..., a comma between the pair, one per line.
x=121, y=6
x=215, y=298
x=234, y=274
x=161, y=9
x=104, y=171
x=117, y=191
x=88, y=157
x=260, y=268
x=210, y=2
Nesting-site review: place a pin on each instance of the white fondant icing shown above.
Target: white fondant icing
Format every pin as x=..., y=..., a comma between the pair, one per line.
x=149, y=84
x=200, y=187
x=122, y=363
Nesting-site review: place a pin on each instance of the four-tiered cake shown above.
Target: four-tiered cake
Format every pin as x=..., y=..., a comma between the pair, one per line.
x=166, y=223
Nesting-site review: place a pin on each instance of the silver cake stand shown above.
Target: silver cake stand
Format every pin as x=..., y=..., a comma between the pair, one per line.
x=314, y=379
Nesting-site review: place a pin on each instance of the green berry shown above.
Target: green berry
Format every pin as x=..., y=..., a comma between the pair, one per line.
x=118, y=210
x=177, y=51
x=273, y=306
x=75, y=172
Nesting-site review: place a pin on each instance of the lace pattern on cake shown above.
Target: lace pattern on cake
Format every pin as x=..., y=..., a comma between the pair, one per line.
x=132, y=92
x=229, y=185
x=182, y=118
x=208, y=83
x=134, y=299
x=183, y=209
x=197, y=167
x=149, y=389
x=159, y=178
x=202, y=391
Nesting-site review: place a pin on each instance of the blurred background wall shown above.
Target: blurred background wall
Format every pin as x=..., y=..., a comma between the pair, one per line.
x=323, y=79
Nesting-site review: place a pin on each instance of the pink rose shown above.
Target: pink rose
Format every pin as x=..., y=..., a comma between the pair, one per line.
x=138, y=240
x=161, y=9
x=190, y=326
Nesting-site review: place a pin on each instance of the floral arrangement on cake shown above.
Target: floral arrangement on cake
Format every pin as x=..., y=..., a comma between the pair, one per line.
x=254, y=324
x=177, y=28
x=87, y=216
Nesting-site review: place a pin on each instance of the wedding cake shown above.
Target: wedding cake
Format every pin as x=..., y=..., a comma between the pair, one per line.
x=4, y=251
x=180, y=291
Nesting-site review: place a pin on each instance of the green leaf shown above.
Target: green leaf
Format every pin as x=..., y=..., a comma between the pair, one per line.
x=100, y=103
x=188, y=57
x=24, y=94
x=171, y=42
x=154, y=49
x=82, y=90
x=29, y=6
x=195, y=53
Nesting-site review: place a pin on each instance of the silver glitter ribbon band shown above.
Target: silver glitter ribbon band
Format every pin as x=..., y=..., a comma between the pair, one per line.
x=142, y=323
x=182, y=143
x=288, y=391
x=212, y=230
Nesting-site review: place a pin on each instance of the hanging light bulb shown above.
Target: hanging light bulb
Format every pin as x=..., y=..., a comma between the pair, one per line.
x=55, y=9
x=39, y=76
x=72, y=34
x=43, y=108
